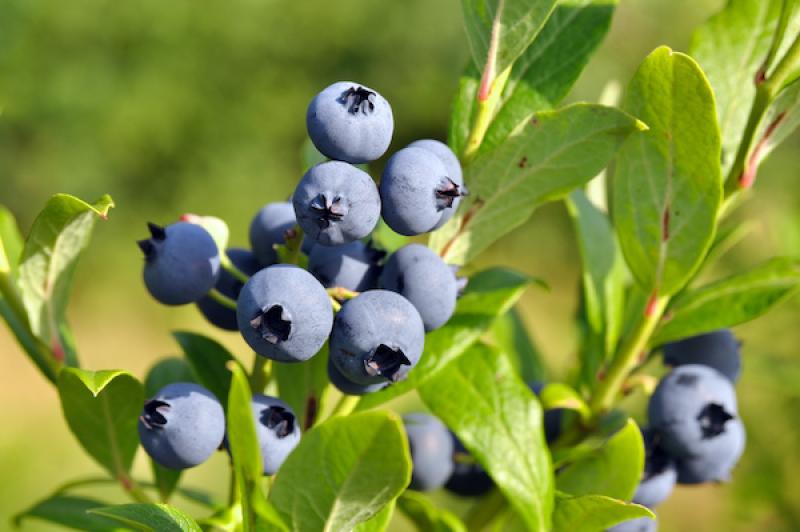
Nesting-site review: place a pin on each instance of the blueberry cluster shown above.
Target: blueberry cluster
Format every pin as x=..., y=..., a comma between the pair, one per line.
x=695, y=433
x=372, y=310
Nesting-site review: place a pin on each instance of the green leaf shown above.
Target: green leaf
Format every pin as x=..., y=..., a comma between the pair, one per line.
x=304, y=386
x=165, y=479
x=556, y=152
x=58, y=236
x=11, y=243
x=463, y=107
x=548, y=68
x=39, y=353
x=779, y=121
x=498, y=31
x=69, y=511
x=509, y=334
x=667, y=186
x=614, y=469
x=101, y=409
x=362, y=462
x=489, y=294
x=557, y=395
x=606, y=428
x=149, y=517
x=730, y=301
x=379, y=522
x=731, y=47
x=590, y=513
x=499, y=420
x=208, y=360
x=167, y=371
x=426, y=515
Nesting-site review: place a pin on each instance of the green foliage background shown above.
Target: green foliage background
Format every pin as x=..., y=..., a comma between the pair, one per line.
x=185, y=106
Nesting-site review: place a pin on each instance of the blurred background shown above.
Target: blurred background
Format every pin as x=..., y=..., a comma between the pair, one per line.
x=181, y=106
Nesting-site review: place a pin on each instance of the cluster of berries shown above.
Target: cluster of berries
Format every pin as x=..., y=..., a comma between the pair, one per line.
x=373, y=310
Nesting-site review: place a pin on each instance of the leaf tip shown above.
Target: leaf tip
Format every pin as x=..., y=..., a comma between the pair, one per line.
x=641, y=126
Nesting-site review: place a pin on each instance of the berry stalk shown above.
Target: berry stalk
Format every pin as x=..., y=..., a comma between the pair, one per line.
x=222, y=299
x=228, y=265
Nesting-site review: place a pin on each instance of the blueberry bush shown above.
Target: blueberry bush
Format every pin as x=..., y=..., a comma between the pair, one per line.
x=359, y=290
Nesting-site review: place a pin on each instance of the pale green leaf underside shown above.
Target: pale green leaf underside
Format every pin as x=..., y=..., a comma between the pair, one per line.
x=590, y=513
x=149, y=517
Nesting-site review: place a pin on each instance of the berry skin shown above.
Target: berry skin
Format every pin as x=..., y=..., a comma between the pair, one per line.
x=182, y=425
x=641, y=524
x=431, y=451
x=219, y=315
x=691, y=408
x=417, y=273
x=277, y=431
x=348, y=387
x=551, y=419
x=417, y=192
x=658, y=478
x=377, y=337
x=353, y=266
x=718, y=350
x=181, y=263
x=269, y=227
x=715, y=462
x=350, y=122
x=469, y=478
x=284, y=313
x=336, y=203
x=451, y=164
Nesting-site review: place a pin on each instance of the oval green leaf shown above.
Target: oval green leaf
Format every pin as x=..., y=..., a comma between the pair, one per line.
x=149, y=517
x=590, y=513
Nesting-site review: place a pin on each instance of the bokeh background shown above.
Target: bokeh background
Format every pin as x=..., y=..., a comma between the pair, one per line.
x=187, y=106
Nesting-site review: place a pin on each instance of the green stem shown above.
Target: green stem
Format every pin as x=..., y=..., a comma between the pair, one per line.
x=260, y=375
x=627, y=357
x=486, y=510
x=222, y=299
x=783, y=22
x=485, y=114
x=134, y=490
x=345, y=405
x=230, y=267
x=341, y=294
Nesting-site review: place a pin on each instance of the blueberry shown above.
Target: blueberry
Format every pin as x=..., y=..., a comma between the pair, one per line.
x=469, y=478
x=182, y=425
x=336, y=203
x=377, y=337
x=431, y=451
x=353, y=266
x=219, y=315
x=551, y=419
x=417, y=192
x=268, y=228
x=284, y=313
x=421, y=276
x=451, y=164
x=641, y=524
x=277, y=431
x=718, y=350
x=181, y=263
x=658, y=478
x=691, y=408
x=716, y=459
x=348, y=387
x=350, y=122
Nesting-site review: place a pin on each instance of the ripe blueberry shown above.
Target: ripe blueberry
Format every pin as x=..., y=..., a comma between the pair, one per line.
x=417, y=192
x=692, y=407
x=269, y=227
x=219, y=315
x=353, y=266
x=715, y=460
x=181, y=263
x=284, y=313
x=718, y=350
x=469, y=478
x=336, y=203
x=451, y=164
x=552, y=418
x=431, y=451
x=277, y=431
x=658, y=478
x=348, y=387
x=182, y=425
x=350, y=122
x=377, y=337
x=417, y=273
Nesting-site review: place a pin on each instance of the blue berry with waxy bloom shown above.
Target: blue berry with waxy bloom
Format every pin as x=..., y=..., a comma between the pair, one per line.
x=691, y=408
x=377, y=337
x=716, y=459
x=284, y=313
x=182, y=425
x=453, y=167
x=417, y=273
x=220, y=315
x=431, y=451
x=182, y=262
x=417, y=192
x=269, y=227
x=348, y=387
x=719, y=350
x=336, y=203
x=660, y=474
x=350, y=122
x=469, y=478
x=354, y=266
x=277, y=431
